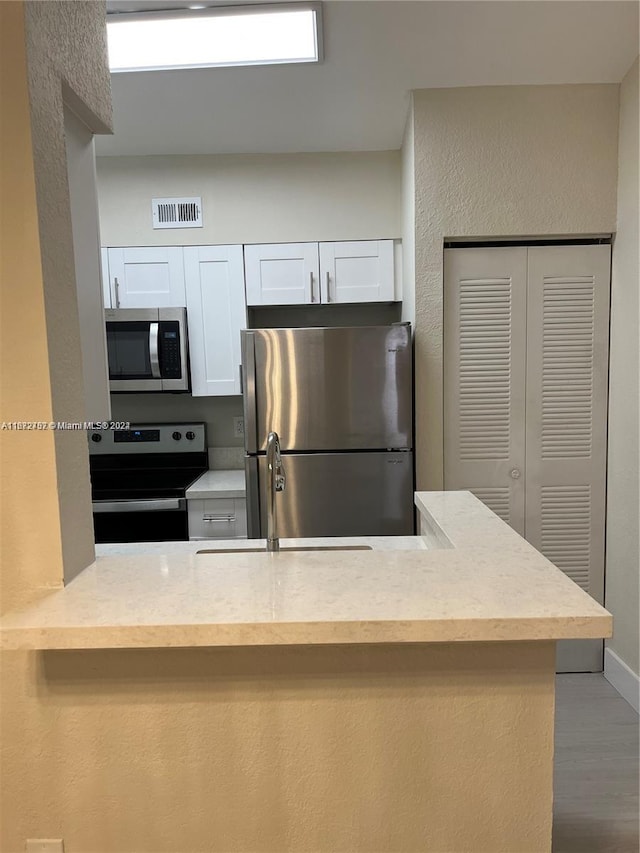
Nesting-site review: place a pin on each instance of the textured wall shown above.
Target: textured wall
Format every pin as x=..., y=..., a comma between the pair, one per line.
x=276, y=198
x=30, y=540
x=409, y=221
x=83, y=196
x=303, y=749
x=66, y=58
x=623, y=561
x=500, y=161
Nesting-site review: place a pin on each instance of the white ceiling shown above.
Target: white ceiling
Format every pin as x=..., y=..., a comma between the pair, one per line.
x=375, y=54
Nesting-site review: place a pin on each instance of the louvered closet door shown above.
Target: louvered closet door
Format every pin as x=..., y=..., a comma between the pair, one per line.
x=484, y=374
x=567, y=380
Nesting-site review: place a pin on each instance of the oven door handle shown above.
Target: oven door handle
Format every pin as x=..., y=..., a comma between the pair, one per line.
x=160, y=505
x=154, y=358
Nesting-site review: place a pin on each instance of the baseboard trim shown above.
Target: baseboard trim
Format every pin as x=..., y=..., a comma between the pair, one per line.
x=623, y=678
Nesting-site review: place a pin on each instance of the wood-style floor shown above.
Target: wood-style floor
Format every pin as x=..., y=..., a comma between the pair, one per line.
x=596, y=768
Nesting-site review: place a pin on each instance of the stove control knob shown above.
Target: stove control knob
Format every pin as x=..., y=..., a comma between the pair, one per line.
x=191, y=435
x=96, y=437
x=177, y=436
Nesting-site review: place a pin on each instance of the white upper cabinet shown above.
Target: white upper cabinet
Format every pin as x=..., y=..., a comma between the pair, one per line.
x=106, y=285
x=320, y=273
x=216, y=313
x=359, y=271
x=147, y=277
x=282, y=274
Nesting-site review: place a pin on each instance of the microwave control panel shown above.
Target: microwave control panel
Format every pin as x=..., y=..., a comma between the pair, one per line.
x=170, y=350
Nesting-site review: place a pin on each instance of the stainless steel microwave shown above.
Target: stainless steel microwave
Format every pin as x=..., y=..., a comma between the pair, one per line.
x=147, y=349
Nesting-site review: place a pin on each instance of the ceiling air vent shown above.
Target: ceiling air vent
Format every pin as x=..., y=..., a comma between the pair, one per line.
x=177, y=212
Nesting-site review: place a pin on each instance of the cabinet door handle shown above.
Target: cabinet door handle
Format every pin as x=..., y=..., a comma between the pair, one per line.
x=514, y=473
x=212, y=518
x=117, y=286
x=311, y=296
x=328, y=287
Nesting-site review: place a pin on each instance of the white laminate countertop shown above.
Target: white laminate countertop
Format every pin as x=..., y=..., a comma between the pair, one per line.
x=217, y=484
x=484, y=583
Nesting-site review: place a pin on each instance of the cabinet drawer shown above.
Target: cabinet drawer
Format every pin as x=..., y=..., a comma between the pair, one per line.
x=217, y=518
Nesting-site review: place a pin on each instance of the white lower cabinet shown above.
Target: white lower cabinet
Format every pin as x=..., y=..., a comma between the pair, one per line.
x=217, y=518
x=216, y=313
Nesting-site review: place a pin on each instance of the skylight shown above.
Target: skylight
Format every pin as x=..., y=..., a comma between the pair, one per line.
x=218, y=36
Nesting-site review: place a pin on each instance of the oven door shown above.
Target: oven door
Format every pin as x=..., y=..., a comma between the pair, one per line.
x=132, y=350
x=152, y=520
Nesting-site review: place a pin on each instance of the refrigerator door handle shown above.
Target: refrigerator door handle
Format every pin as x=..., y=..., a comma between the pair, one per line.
x=252, y=482
x=249, y=392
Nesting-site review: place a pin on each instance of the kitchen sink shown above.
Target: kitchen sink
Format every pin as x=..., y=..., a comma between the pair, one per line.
x=293, y=548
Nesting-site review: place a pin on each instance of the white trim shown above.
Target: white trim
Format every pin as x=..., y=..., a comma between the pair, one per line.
x=623, y=678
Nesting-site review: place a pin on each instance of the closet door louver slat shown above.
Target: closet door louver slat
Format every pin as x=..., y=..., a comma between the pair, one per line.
x=568, y=317
x=485, y=317
x=568, y=323
x=497, y=500
x=565, y=530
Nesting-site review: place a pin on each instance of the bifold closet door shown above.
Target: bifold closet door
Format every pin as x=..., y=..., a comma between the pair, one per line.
x=526, y=377
x=566, y=425
x=485, y=315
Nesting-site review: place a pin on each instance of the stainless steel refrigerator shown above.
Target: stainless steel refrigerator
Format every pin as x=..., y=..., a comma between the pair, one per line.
x=341, y=401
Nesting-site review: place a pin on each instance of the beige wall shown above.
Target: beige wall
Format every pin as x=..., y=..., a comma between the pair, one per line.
x=81, y=170
x=66, y=61
x=272, y=198
x=623, y=561
x=409, y=221
x=217, y=412
x=500, y=161
x=45, y=507
x=303, y=749
x=28, y=477
x=45, y=484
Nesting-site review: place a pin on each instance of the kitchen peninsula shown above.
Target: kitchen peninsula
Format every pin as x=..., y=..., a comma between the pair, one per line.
x=382, y=700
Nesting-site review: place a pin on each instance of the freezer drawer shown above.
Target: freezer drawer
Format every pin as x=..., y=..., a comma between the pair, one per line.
x=329, y=389
x=335, y=494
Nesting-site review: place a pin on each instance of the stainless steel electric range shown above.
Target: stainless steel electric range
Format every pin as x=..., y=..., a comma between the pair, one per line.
x=139, y=477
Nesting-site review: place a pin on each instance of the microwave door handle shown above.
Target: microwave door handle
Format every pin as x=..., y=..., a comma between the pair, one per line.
x=153, y=350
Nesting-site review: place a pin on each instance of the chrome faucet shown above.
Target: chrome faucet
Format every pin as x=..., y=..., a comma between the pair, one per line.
x=276, y=483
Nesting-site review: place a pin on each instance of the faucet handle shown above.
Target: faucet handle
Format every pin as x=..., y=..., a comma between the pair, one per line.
x=281, y=477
